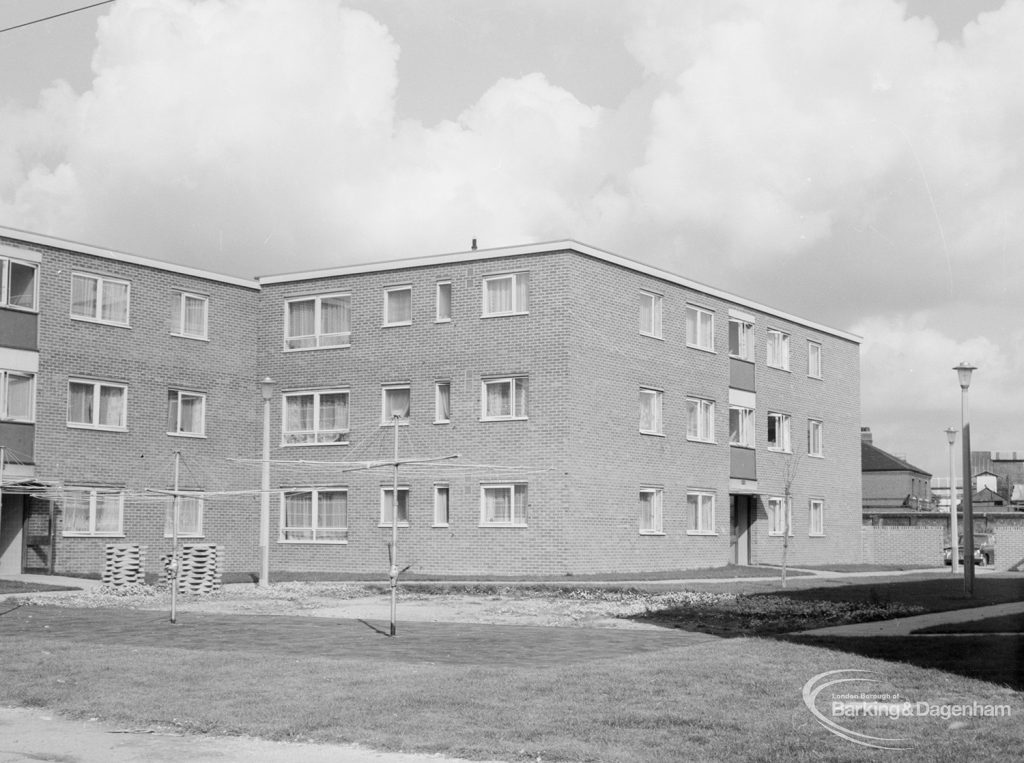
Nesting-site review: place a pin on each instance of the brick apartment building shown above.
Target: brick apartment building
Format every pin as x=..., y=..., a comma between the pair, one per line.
x=557, y=410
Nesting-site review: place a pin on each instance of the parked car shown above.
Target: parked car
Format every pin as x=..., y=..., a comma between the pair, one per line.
x=984, y=549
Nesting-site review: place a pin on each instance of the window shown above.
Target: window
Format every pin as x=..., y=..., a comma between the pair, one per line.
x=395, y=402
x=741, y=426
x=93, y=512
x=18, y=284
x=17, y=396
x=387, y=506
x=444, y=302
x=778, y=349
x=778, y=432
x=442, y=503
x=398, y=306
x=186, y=413
x=650, y=314
x=101, y=299
x=314, y=516
x=503, y=399
x=188, y=314
x=97, y=405
x=779, y=520
x=507, y=294
x=816, y=522
x=650, y=511
x=312, y=322
x=503, y=505
x=814, y=360
x=700, y=419
x=814, y=438
x=741, y=339
x=190, y=517
x=442, y=402
x=650, y=411
x=700, y=328
x=701, y=510
x=315, y=418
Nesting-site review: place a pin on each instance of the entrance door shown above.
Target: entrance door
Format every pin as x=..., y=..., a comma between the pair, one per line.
x=11, y=523
x=739, y=529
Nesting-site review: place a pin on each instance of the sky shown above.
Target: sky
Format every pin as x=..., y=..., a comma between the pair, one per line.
x=859, y=163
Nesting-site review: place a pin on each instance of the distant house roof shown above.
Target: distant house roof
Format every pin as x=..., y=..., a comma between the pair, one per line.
x=874, y=459
x=987, y=496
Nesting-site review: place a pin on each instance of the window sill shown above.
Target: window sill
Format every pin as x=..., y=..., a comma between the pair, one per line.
x=101, y=322
x=818, y=377
x=786, y=451
x=705, y=442
x=395, y=325
x=310, y=541
x=652, y=434
x=388, y=526
x=184, y=537
x=815, y=535
x=442, y=320
x=741, y=446
x=311, y=444
x=506, y=418
x=709, y=350
x=189, y=336
x=444, y=525
x=66, y=534
x=652, y=336
x=503, y=315
x=816, y=455
x=5, y=306
x=401, y=423
x=96, y=429
x=187, y=435
x=778, y=535
x=502, y=524
x=778, y=368
x=706, y=533
x=319, y=347
x=443, y=421
x=653, y=533
x=6, y=420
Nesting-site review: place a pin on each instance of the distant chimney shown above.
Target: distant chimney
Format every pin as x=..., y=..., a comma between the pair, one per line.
x=865, y=435
x=474, y=245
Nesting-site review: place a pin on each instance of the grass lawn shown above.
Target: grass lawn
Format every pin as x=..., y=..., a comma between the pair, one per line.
x=724, y=700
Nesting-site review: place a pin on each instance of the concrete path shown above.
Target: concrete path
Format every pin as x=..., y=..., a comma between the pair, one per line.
x=905, y=626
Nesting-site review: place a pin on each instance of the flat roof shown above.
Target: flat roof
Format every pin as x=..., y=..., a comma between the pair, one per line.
x=110, y=254
x=552, y=246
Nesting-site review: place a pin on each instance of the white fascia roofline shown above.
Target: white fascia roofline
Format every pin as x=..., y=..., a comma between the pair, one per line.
x=553, y=246
x=95, y=251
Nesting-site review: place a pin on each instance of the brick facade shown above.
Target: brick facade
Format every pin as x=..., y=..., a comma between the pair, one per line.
x=577, y=454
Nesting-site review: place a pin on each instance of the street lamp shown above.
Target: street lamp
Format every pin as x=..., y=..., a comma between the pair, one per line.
x=267, y=390
x=964, y=371
x=955, y=555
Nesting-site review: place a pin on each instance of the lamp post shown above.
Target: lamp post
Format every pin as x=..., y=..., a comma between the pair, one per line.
x=955, y=554
x=964, y=371
x=266, y=389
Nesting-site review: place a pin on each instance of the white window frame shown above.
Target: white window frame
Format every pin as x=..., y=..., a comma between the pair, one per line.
x=700, y=328
x=519, y=391
x=701, y=411
x=92, y=532
x=5, y=396
x=745, y=339
x=5, y=283
x=657, y=503
x=316, y=435
x=775, y=516
x=316, y=528
x=517, y=309
x=169, y=517
x=181, y=298
x=97, y=387
x=202, y=413
x=385, y=491
x=517, y=518
x=438, y=316
x=783, y=432
x=700, y=509
x=655, y=327
x=388, y=421
x=747, y=429
x=656, y=397
x=101, y=285
x=814, y=359
x=777, y=349
x=319, y=339
x=816, y=518
x=439, y=418
x=442, y=508
x=815, y=438
x=388, y=291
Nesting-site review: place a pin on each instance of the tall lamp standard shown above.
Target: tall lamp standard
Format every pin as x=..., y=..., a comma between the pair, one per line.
x=267, y=390
x=955, y=553
x=964, y=371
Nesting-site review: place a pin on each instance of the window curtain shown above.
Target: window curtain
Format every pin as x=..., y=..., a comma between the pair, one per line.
x=76, y=512
x=499, y=399
x=80, y=403
x=195, y=317
x=298, y=516
x=19, y=396
x=189, y=516
x=22, y=285
x=648, y=412
x=108, y=512
x=83, y=296
x=335, y=318
x=399, y=306
x=111, y=407
x=332, y=515
x=522, y=292
x=647, y=511
x=298, y=415
x=499, y=295
x=498, y=504
x=115, y=302
x=172, y=411
x=444, y=301
x=389, y=506
x=301, y=320
x=520, y=504
x=191, y=414
x=441, y=503
x=520, y=401
x=444, y=402
x=333, y=412
x=397, y=403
